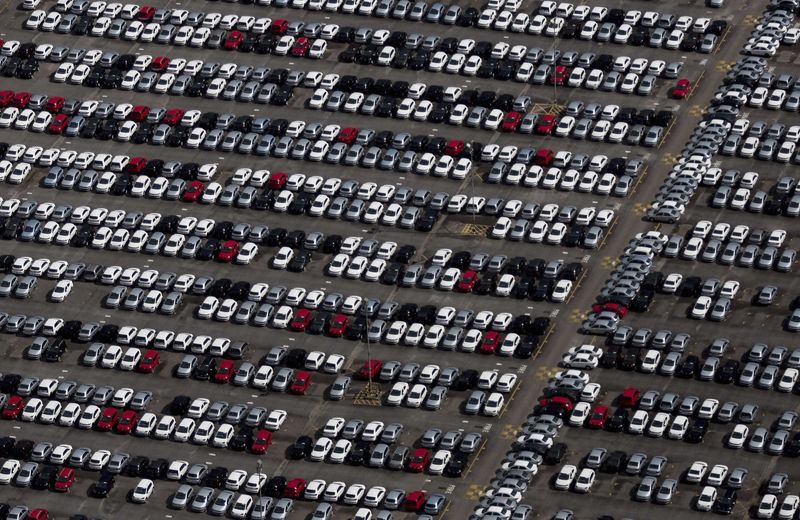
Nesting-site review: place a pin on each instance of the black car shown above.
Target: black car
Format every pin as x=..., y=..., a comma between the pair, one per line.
x=465, y=380
x=697, y=431
x=299, y=262
x=555, y=454
x=618, y=421
x=392, y=274
x=53, y=352
x=104, y=485
x=301, y=448
x=157, y=469
x=357, y=329
x=9, y=385
x=242, y=439
x=6, y=445
x=45, y=478
x=725, y=504
x=296, y=358
x=358, y=454
x=688, y=367
x=22, y=449
x=729, y=371
x=457, y=465
x=793, y=446
x=404, y=254
x=319, y=323
x=527, y=347
x=629, y=360
x=216, y=477
x=614, y=463
x=275, y=487
x=206, y=369
x=180, y=404
x=136, y=466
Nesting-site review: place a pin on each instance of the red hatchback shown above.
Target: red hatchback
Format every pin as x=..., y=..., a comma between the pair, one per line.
x=419, y=460
x=294, y=488
x=301, y=320
x=139, y=113
x=21, y=99
x=261, y=441
x=234, y=39
x=415, y=501
x=146, y=13
x=682, y=89
x=108, y=420
x=173, y=116
x=13, y=407
x=225, y=372
x=467, y=281
x=347, y=135
x=136, y=165
x=38, y=514
x=279, y=26
x=546, y=124
x=370, y=369
x=491, y=340
x=562, y=402
x=302, y=380
x=159, y=64
x=559, y=75
x=512, y=121
x=598, y=418
x=617, y=308
x=54, y=104
x=6, y=97
x=64, y=480
x=338, y=326
x=228, y=251
x=454, y=147
x=301, y=47
x=58, y=124
x=544, y=157
x=127, y=422
x=194, y=191
x=149, y=361
x=277, y=180
x=630, y=397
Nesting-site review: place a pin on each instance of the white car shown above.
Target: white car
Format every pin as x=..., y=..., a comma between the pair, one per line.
x=585, y=481
x=141, y=493
x=706, y=499
x=564, y=478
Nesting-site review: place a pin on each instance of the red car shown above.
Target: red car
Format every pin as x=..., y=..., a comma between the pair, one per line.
x=301, y=320
x=512, y=121
x=302, y=380
x=491, y=340
x=617, y=308
x=562, y=402
x=301, y=47
x=559, y=75
x=225, y=372
x=234, y=39
x=127, y=422
x=38, y=514
x=682, y=89
x=454, y=147
x=467, y=281
x=159, y=64
x=598, y=417
x=544, y=157
x=415, y=500
x=294, y=488
x=261, y=441
x=347, y=135
x=630, y=397
x=546, y=124
x=54, y=104
x=370, y=369
x=338, y=326
x=139, y=113
x=194, y=191
x=64, y=480
x=136, y=165
x=277, y=180
x=419, y=460
x=173, y=116
x=146, y=13
x=6, y=97
x=279, y=27
x=228, y=251
x=13, y=407
x=149, y=361
x=108, y=420
x=58, y=124
x=21, y=99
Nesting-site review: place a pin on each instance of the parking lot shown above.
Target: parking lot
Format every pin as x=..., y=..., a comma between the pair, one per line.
x=557, y=302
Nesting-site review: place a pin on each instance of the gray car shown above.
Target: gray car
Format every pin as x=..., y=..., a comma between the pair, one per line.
x=666, y=492
x=645, y=489
x=202, y=500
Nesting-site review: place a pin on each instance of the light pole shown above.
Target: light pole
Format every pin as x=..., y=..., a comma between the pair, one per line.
x=258, y=472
